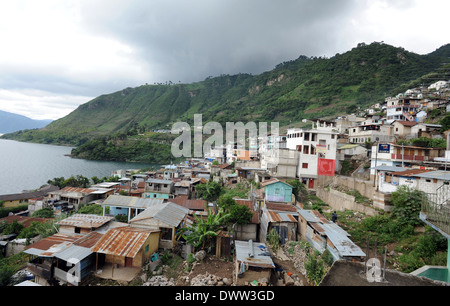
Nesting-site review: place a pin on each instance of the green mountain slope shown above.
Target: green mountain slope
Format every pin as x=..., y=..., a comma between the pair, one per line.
x=293, y=90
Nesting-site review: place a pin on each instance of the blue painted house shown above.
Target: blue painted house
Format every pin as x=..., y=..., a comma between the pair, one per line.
x=277, y=191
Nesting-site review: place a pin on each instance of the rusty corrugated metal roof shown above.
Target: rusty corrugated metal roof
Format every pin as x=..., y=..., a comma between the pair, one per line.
x=88, y=240
x=48, y=246
x=280, y=217
x=122, y=241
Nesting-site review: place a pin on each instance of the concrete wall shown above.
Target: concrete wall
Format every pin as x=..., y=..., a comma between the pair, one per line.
x=246, y=232
x=341, y=201
x=365, y=188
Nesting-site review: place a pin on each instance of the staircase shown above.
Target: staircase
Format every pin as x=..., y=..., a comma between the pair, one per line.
x=436, y=210
x=408, y=116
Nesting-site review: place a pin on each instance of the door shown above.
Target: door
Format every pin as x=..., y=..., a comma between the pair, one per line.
x=284, y=234
x=128, y=262
x=311, y=183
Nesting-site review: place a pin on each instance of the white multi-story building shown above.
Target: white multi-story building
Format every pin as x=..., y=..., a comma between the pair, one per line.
x=317, y=151
x=370, y=133
x=402, y=108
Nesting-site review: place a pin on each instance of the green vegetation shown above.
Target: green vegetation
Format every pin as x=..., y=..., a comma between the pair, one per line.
x=413, y=248
x=425, y=142
x=203, y=232
x=4, y=211
x=119, y=126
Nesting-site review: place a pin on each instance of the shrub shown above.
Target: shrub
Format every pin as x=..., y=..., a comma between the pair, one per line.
x=315, y=268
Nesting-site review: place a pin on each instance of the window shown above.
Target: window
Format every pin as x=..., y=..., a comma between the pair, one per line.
x=306, y=136
x=277, y=191
x=305, y=165
x=166, y=233
x=77, y=230
x=147, y=248
x=305, y=149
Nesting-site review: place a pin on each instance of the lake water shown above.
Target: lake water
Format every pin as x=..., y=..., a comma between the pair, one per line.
x=28, y=166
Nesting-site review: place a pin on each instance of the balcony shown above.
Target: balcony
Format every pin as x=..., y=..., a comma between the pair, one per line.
x=411, y=157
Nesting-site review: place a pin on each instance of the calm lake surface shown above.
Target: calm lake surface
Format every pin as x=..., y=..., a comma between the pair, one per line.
x=28, y=166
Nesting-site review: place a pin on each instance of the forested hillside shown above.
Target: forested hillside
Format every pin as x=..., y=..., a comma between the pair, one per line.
x=307, y=87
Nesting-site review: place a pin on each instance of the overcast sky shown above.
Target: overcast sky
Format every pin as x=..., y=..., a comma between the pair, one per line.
x=58, y=54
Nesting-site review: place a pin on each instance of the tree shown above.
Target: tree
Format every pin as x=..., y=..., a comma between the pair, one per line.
x=44, y=213
x=13, y=228
x=298, y=189
x=407, y=205
x=201, y=233
x=209, y=191
x=445, y=122
x=237, y=214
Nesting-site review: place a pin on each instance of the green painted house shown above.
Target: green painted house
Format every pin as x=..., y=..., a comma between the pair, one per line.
x=277, y=191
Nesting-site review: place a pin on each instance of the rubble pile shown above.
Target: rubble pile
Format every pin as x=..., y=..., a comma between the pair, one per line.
x=298, y=254
x=208, y=280
x=159, y=280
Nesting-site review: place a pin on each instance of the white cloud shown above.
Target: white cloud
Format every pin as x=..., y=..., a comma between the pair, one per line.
x=37, y=104
x=64, y=52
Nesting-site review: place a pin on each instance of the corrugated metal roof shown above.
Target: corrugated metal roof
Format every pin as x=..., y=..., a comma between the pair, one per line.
x=88, y=240
x=280, y=216
x=338, y=237
x=47, y=247
x=197, y=204
x=48, y=242
x=169, y=213
x=439, y=174
x=261, y=256
x=127, y=201
x=158, y=181
x=85, y=220
x=122, y=241
x=410, y=172
x=73, y=251
x=389, y=168
x=272, y=181
x=341, y=242
x=278, y=206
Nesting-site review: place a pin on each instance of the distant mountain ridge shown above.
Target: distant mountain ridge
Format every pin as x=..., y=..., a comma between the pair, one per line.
x=10, y=122
x=304, y=88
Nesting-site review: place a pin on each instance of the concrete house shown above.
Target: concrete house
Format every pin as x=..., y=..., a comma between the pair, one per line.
x=395, y=155
x=157, y=188
x=403, y=128
x=316, y=151
x=17, y=199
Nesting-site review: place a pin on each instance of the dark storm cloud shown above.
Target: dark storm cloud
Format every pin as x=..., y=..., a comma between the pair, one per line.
x=190, y=40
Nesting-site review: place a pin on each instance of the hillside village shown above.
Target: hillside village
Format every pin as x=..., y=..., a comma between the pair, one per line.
x=145, y=219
